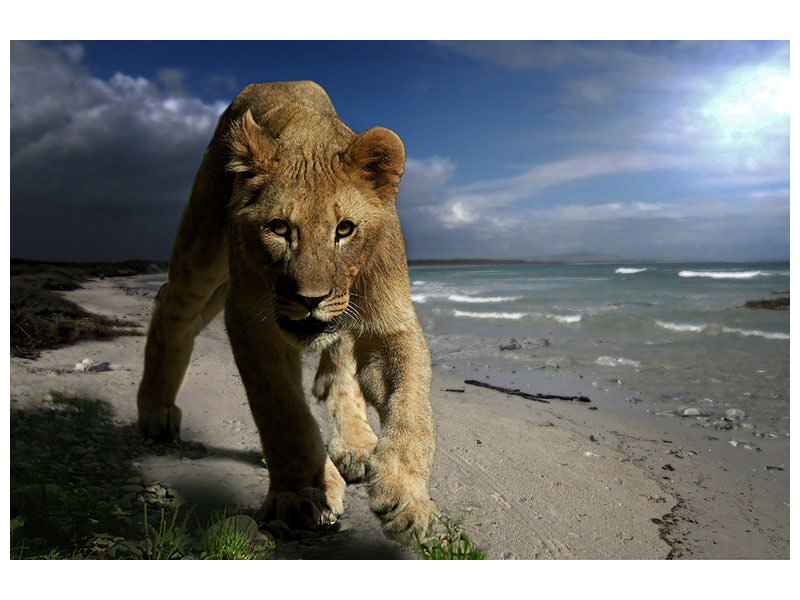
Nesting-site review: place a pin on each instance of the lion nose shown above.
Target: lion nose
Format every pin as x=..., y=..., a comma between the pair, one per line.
x=310, y=302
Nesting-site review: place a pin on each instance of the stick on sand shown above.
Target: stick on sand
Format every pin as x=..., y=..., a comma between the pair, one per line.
x=536, y=397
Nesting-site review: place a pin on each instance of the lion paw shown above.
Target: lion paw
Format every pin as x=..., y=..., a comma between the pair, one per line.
x=162, y=423
x=404, y=509
x=307, y=509
x=350, y=462
x=310, y=507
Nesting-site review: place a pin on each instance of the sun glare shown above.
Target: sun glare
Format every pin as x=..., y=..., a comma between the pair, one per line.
x=750, y=103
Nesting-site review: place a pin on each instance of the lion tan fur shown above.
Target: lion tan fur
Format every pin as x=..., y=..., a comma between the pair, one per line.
x=291, y=225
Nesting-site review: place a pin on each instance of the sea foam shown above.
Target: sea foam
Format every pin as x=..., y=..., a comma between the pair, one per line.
x=480, y=299
x=488, y=315
x=681, y=326
x=629, y=271
x=565, y=318
x=610, y=361
x=721, y=274
x=768, y=335
x=757, y=333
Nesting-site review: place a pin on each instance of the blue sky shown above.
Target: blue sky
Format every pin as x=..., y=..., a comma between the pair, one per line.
x=644, y=150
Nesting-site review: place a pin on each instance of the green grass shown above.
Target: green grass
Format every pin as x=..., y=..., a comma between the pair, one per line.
x=167, y=540
x=69, y=460
x=452, y=544
x=222, y=540
x=227, y=542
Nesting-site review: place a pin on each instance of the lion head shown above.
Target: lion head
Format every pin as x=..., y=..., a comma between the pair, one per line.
x=308, y=205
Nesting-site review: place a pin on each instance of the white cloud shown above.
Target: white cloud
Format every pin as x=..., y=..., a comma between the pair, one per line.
x=506, y=217
x=423, y=179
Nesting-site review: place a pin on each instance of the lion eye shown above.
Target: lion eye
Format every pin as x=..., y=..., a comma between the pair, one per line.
x=278, y=227
x=344, y=229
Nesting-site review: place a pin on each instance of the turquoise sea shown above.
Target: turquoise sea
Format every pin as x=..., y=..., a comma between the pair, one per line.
x=676, y=333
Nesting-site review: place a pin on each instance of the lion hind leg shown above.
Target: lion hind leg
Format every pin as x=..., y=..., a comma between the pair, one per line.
x=352, y=438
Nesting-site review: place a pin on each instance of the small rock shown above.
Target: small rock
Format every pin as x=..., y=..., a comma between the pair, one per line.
x=690, y=412
x=512, y=344
x=92, y=366
x=735, y=413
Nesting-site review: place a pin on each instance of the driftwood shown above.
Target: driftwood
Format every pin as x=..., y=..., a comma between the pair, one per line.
x=537, y=397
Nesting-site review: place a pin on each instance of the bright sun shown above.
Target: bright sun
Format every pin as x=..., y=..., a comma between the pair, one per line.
x=751, y=102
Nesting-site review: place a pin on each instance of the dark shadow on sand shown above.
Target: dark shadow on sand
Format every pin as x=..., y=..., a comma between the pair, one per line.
x=76, y=487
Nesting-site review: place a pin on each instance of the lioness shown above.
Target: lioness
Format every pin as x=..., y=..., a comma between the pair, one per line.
x=291, y=225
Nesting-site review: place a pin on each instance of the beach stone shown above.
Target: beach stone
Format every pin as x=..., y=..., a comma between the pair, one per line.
x=735, y=413
x=92, y=366
x=512, y=344
x=690, y=412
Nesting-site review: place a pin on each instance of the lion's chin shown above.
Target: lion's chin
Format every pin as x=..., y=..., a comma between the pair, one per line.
x=310, y=333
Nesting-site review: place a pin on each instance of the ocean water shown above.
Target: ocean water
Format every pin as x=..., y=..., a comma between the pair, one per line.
x=675, y=334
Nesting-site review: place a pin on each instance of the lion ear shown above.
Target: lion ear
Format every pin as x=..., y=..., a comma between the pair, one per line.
x=250, y=146
x=378, y=156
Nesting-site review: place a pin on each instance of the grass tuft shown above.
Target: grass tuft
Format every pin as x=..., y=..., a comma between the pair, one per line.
x=452, y=544
x=226, y=541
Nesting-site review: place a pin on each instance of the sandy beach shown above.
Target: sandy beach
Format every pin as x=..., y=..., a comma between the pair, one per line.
x=528, y=480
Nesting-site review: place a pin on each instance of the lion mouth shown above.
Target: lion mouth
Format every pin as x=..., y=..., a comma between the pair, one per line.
x=309, y=326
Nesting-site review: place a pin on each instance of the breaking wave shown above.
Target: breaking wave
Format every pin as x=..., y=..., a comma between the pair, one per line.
x=686, y=327
x=480, y=299
x=488, y=315
x=721, y=274
x=565, y=318
x=610, y=361
x=629, y=271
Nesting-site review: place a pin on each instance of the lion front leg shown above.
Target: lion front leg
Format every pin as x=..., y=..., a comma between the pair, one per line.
x=178, y=316
x=352, y=439
x=305, y=489
x=395, y=376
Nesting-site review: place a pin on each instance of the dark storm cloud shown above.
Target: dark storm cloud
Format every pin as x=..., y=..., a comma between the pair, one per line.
x=100, y=169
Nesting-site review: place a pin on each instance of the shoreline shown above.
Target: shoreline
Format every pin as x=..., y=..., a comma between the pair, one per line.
x=527, y=479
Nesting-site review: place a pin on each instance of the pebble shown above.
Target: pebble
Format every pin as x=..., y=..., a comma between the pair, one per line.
x=92, y=366
x=735, y=413
x=690, y=412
